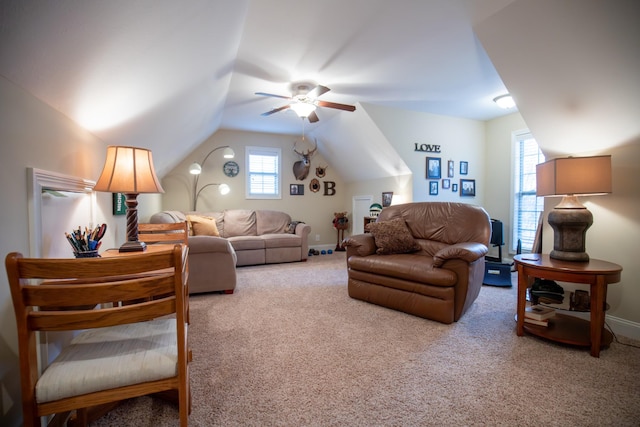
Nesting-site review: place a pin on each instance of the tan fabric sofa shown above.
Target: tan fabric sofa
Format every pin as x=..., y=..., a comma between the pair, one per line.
x=439, y=271
x=246, y=237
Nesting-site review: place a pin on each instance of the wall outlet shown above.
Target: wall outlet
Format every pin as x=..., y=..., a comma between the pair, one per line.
x=317, y=237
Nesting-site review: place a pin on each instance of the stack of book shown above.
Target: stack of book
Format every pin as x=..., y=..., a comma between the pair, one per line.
x=538, y=315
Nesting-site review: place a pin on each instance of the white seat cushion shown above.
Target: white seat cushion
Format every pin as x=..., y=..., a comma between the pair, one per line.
x=105, y=358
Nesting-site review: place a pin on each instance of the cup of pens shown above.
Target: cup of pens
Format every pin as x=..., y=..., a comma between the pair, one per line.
x=85, y=244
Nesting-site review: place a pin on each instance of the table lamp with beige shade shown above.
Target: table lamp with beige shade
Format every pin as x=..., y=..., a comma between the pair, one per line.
x=129, y=170
x=571, y=177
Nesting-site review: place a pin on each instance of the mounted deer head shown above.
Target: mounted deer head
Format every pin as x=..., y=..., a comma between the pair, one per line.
x=301, y=167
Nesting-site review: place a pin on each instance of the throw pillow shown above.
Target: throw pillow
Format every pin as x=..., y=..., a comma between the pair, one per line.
x=291, y=228
x=201, y=225
x=392, y=237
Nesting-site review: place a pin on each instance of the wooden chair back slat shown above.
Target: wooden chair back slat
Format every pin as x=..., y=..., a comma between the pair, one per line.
x=54, y=269
x=83, y=292
x=163, y=233
x=61, y=320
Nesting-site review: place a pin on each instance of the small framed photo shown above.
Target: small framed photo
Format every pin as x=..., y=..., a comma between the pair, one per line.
x=119, y=207
x=464, y=168
x=433, y=188
x=296, y=190
x=446, y=184
x=449, y=169
x=468, y=187
x=454, y=188
x=386, y=198
x=433, y=167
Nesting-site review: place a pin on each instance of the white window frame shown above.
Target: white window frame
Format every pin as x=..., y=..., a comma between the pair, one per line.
x=263, y=151
x=520, y=230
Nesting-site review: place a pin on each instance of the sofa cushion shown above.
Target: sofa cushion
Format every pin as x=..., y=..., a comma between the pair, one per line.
x=240, y=222
x=392, y=237
x=281, y=240
x=271, y=222
x=200, y=225
x=243, y=243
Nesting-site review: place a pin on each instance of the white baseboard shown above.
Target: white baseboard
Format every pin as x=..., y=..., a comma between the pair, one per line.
x=624, y=328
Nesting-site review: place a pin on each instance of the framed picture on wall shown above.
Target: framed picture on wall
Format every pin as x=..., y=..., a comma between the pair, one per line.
x=454, y=188
x=433, y=167
x=296, y=190
x=450, y=169
x=433, y=188
x=446, y=184
x=119, y=207
x=468, y=187
x=464, y=168
x=386, y=198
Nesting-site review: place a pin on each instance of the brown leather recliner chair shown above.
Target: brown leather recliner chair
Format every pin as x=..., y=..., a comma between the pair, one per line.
x=437, y=279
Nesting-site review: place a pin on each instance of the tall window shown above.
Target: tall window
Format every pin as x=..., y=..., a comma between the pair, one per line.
x=263, y=172
x=527, y=207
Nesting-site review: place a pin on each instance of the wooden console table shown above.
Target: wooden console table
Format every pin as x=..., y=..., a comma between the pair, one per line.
x=563, y=328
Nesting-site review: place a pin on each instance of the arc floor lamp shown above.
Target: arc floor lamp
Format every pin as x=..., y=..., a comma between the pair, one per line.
x=196, y=169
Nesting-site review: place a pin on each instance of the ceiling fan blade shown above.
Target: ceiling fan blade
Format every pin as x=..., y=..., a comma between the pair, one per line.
x=313, y=117
x=317, y=91
x=272, y=95
x=275, y=110
x=344, y=107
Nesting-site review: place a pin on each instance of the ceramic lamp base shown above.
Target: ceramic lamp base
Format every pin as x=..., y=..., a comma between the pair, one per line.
x=569, y=233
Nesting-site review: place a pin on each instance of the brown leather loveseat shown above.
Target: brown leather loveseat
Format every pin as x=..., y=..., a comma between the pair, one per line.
x=425, y=259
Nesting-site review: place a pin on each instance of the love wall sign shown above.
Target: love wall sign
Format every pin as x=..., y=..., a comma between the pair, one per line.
x=426, y=148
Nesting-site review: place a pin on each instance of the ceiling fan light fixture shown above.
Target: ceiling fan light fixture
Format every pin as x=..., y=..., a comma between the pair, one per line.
x=505, y=101
x=303, y=109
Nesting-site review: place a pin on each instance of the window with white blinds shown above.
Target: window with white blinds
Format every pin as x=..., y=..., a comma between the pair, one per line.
x=527, y=206
x=263, y=173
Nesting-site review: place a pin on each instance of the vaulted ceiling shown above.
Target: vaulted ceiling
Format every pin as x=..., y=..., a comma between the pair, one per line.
x=166, y=75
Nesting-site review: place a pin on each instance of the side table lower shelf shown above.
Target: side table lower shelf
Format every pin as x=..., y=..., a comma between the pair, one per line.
x=568, y=330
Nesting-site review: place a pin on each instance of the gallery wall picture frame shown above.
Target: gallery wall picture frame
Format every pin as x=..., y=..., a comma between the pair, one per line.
x=433, y=167
x=387, y=196
x=296, y=189
x=464, y=168
x=450, y=166
x=446, y=184
x=433, y=188
x=454, y=188
x=467, y=187
x=119, y=207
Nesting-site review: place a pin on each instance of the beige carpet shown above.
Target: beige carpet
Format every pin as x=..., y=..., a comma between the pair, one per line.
x=290, y=348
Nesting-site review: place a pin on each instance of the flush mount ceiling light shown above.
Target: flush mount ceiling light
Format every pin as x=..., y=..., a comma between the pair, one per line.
x=505, y=101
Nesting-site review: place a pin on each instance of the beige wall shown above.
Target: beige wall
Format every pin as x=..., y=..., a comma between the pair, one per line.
x=315, y=209
x=459, y=140
x=499, y=171
x=33, y=135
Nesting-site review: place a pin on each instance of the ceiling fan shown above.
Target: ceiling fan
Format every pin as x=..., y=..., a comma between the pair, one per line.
x=304, y=100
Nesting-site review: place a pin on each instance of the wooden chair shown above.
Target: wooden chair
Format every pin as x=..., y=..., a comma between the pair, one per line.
x=122, y=352
x=176, y=232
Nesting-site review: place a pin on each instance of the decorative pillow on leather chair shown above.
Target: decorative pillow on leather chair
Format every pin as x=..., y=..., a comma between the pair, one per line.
x=200, y=225
x=392, y=237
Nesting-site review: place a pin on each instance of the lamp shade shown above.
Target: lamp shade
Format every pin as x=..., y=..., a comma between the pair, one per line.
x=228, y=153
x=195, y=168
x=574, y=176
x=128, y=170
